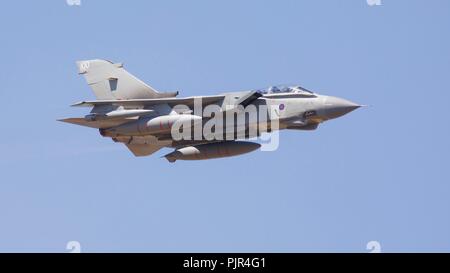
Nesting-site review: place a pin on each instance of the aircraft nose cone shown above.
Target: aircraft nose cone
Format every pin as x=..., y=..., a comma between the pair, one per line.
x=338, y=107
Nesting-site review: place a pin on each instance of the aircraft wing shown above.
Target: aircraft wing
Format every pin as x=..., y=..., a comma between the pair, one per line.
x=145, y=102
x=143, y=149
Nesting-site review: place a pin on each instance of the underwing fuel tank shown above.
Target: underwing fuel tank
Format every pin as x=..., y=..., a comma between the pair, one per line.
x=212, y=150
x=148, y=126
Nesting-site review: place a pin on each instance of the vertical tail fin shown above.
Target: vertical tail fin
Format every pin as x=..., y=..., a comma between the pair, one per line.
x=111, y=81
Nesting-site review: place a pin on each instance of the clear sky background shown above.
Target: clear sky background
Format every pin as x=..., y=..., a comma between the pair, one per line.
x=379, y=173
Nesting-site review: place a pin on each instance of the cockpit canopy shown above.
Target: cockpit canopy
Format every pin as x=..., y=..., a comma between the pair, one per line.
x=296, y=89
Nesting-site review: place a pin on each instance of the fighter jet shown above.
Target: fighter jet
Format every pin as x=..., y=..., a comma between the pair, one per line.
x=201, y=127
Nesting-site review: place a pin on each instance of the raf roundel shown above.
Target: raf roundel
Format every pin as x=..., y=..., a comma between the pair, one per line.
x=281, y=107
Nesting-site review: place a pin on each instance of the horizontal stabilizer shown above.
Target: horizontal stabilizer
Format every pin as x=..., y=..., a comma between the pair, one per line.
x=99, y=124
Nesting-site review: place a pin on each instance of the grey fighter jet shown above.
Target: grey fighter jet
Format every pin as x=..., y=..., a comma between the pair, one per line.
x=201, y=127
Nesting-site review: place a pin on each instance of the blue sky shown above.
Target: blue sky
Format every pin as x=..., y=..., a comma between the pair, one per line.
x=379, y=173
